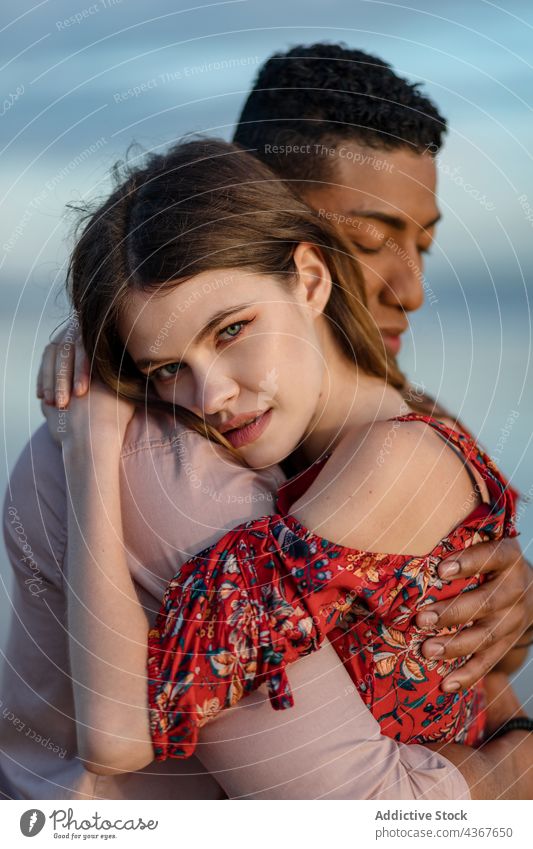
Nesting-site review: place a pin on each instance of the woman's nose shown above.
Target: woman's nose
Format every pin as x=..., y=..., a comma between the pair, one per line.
x=215, y=391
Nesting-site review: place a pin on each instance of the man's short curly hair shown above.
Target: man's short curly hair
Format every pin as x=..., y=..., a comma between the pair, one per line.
x=323, y=94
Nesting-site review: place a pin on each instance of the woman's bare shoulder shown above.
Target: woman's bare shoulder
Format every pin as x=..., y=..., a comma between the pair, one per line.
x=389, y=486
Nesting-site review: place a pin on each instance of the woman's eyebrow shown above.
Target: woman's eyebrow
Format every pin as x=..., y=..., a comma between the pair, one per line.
x=219, y=316
x=147, y=361
x=216, y=319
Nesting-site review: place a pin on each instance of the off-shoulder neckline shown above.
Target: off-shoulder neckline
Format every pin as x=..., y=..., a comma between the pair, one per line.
x=478, y=513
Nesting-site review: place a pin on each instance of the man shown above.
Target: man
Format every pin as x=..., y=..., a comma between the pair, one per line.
x=159, y=460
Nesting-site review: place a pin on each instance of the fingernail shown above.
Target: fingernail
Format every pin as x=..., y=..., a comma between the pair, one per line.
x=451, y=686
x=429, y=618
x=447, y=570
x=434, y=649
x=78, y=387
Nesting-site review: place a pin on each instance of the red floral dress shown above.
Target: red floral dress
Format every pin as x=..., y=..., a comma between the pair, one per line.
x=270, y=591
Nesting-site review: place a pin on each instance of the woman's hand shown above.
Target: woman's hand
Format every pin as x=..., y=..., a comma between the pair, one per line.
x=501, y=610
x=100, y=415
x=64, y=368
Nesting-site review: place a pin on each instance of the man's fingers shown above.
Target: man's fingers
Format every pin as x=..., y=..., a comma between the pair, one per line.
x=461, y=609
x=493, y=596
x=474, y=669
x=475, y=639
x=484, y=557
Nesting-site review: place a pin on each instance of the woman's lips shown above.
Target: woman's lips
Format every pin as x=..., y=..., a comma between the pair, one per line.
x=249, y=433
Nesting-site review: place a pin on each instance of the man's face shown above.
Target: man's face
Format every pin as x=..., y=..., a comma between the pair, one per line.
x=384, y=203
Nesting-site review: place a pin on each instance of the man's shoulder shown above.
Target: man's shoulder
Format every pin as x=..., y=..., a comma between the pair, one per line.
x=35, y=509
x=39, y=465
x=151, y=429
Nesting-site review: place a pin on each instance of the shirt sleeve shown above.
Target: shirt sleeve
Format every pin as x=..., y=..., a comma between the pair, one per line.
x=329, y=746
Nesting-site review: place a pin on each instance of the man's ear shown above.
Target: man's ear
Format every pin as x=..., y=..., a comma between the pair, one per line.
x=314, y=276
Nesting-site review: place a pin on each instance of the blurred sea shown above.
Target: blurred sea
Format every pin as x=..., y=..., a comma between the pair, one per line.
x=471, y=351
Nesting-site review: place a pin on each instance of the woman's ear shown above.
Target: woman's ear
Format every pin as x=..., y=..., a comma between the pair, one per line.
x=314, y=276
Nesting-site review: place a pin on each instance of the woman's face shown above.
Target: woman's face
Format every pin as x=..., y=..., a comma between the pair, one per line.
x=233, y=344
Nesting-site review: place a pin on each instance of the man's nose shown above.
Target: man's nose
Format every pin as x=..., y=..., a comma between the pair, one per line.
x=404, y=286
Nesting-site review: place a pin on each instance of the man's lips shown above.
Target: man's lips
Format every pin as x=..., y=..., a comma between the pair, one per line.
x=392, y=340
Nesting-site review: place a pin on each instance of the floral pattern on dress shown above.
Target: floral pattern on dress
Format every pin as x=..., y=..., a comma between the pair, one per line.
x=270, y=591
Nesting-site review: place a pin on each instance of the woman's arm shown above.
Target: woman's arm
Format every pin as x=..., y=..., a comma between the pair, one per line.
x=106, y=622
x=107, y=626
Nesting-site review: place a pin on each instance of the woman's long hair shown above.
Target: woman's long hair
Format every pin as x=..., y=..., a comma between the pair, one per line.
x=205, y=205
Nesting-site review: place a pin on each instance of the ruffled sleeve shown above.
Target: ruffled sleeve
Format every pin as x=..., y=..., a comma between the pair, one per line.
x=266, y=594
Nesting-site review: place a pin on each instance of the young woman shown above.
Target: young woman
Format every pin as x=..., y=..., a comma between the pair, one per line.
x=270, y=345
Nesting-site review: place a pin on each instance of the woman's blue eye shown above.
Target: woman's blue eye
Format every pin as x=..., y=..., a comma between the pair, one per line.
x=233, y=330
x=170, y=370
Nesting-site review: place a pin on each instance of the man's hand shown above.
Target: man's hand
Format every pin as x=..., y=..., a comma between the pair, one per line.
x=501, y=610
x=502, y=703
x=501, y=767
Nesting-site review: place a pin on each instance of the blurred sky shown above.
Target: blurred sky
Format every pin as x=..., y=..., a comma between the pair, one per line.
x=72, y=118
x=66, y=116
